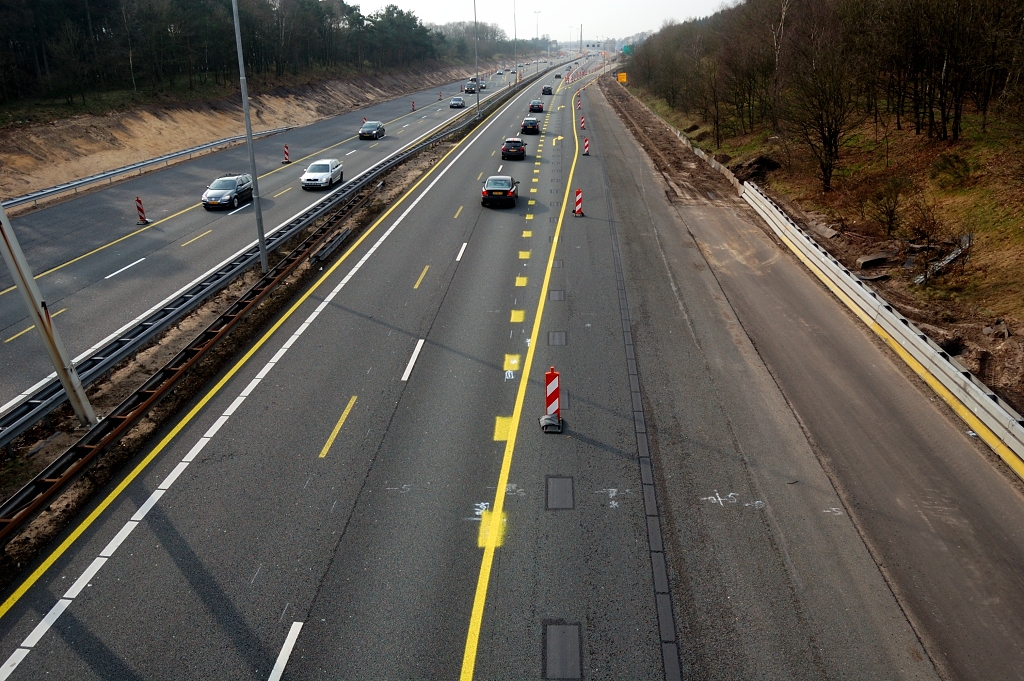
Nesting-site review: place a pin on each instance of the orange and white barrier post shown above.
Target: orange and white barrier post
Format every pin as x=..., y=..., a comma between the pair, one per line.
x=579, y=103
x=142, y=212
x=414, y=106
x=287, y=158
x=364, y=119
x=578, y=210
x=439, y=95
x=552, y=403
x=586, y=146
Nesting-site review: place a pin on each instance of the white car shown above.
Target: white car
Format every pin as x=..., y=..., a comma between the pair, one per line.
x=500, y=72
x=322, y=173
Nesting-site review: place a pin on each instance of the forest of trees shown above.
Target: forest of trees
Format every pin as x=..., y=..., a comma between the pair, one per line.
x=71, y=48
x=813, y=69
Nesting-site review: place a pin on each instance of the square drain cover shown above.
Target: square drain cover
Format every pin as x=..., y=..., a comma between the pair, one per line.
x=562, y=651
x=559, y=496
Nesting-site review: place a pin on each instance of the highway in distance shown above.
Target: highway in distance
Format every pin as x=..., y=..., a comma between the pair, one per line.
x=746, y=486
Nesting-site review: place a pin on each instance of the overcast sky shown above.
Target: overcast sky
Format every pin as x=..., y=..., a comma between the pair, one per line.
x=600, y=18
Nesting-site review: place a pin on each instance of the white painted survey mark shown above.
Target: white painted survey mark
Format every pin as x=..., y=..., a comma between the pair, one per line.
x=461, y=251
x=412, y=360
x=114, y=274
x=286, y=651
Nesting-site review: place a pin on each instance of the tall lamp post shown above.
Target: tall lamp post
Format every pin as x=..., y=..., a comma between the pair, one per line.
x=515, y=40
x=537, y=38
x=476, y=58
x=248, y=142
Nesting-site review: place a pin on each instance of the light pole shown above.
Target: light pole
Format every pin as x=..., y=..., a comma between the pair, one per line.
x=248, y=142
x=476, y=58
x=515, y=40
x=537, y=38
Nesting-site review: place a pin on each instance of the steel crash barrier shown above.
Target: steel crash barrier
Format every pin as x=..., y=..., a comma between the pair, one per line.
x=40, y=400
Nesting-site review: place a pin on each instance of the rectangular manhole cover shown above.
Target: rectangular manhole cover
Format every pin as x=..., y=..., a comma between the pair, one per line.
x=562, y=651
x=556, y=295
x=556, y=337
x=559, y=493
x=557, y=263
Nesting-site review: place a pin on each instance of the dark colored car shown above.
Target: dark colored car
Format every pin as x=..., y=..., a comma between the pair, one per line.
x=228, y=191
x=371, y=130
x=546, y=90
x=536, y=106
x=483, y=85
x=514, y=147
x=470, y=88
x=558, y=75
x=498, y=190
x=531, y=126
x=457, y=103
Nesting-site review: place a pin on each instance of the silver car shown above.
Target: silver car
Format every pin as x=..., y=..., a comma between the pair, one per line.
x=322, y=173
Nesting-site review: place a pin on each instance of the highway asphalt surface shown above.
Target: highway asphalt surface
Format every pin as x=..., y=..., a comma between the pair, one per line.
x=96, y=292
x=367, y=493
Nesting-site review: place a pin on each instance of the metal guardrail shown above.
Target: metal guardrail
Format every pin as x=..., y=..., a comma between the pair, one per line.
x=47, y=395
x=117, y=172
x=992, y=419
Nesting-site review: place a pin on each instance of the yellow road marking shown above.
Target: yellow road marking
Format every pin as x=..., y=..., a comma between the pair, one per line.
x=105, y=246
x=533, y=191
x=337, y=427
x=459, y=211
x=492, y=536
x=24, y=331
x=479, y=176
x=529, y=216
x=512, y=362
x=279, y=193
x=502, y=425
x=518, y=316
x=196, y=238
x=527, y=233
x=524, y=255
x=520, y=281
x=536, y=163
x=374, y=144
x=535, y=180
x=487, y=526
x=422, y=274
x=492, y=153
x=117, y=491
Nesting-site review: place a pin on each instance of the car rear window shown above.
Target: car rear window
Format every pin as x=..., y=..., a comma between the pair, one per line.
x=498, y=183
x=320, y=167
x=225, y=183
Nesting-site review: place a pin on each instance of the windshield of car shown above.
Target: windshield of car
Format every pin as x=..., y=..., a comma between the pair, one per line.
x=498, y=183
x=320, y=167
x=368, y=127
x=529, y=121
x=223, y=183
x=536, y=101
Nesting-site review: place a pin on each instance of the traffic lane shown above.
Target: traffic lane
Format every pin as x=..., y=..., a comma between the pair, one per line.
x=222, y=484
x=780, y=589
x=587, y=565
x=941, y=516
x=160, y=470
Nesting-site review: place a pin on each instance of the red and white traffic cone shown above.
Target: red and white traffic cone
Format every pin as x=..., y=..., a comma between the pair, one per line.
x=439, y=95
x=551, y=422
x=364, y=119
x=583, y=122
x=142, y=212
x=578, y=211
x=586, y=146
x=579, y=103
x=287, y=158
x=414, y=106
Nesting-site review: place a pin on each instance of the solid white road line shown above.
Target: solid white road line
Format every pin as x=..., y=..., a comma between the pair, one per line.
x=114, y=274
x=412, y=360
x=238, y=209
x=461, y=251
x=286, y=651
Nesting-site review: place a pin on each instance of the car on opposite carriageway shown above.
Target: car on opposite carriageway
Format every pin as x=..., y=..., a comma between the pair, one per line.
x=228, y=191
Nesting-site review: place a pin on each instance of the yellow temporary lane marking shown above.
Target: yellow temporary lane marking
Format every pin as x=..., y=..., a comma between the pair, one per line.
x=106, y=246
x=497, y=516
x=479, y=176
x=492, y=153
x=533, y=191
x=24, y=331
x=459, y=211
x=520, y=281
x=373, y=145
x=531, y=202
x=502, y=425
x=422, y=274
x=529, y=216
x=128, y=479
x=518, y=316
x=196, y=238
x=968, y=416
x=284, y=192
x=337, y=427
x=535, y=180
x=527, y=233
x=487, y=526
x=524, y=255
x=536, y=163
x=512, y=362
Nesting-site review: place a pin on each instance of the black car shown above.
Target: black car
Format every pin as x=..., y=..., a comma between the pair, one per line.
x=530, y=126
x=371, y=130
x=457, y=103
x=470, y=88
x=536, y=106
x=499, y=189
x=228, y=191
x=514, y=147
x=546, y=90
x=558, y=75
